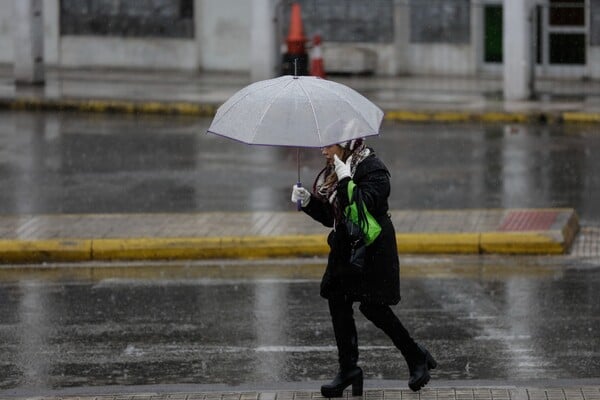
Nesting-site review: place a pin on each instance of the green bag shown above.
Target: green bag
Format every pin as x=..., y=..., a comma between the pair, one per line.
x=370, y=228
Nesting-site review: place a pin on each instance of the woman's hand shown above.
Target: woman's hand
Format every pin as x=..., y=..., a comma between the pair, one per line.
x=342, y=169
x=299, y=193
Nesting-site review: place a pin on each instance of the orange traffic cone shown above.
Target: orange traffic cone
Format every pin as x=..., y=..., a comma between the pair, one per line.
x=316, y=64
x=296, y=39
x=295, y=60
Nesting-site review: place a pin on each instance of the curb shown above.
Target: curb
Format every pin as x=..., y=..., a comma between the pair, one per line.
x=209, y=110
x=255, y=247
x=110, y=106
x=462, y=116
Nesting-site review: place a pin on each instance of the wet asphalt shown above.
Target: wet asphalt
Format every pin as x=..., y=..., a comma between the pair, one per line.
x=528, y=318
x=78, y=163
x=483, y=321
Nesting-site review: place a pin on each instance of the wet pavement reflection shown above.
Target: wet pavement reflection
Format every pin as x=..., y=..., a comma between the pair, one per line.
x=518, y=326
x=77, y=163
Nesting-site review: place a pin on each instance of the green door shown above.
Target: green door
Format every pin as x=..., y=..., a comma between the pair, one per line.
x=492, y=49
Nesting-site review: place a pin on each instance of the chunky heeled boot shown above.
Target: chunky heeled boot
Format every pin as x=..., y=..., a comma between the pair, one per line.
x=418, y=366
x=342, y=380
x=347, y=344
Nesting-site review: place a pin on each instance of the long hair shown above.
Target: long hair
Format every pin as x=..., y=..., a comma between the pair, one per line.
x=325, y=185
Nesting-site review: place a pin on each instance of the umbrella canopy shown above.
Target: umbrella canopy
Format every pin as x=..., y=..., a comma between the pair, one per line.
x=300, y=111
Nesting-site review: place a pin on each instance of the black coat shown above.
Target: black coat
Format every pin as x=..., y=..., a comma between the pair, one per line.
x=380, y=280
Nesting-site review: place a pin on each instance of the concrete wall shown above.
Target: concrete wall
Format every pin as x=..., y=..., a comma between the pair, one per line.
x=224, y=34
x=50, y=11
x=223, y=43
x=6, y=38
x=594, y=62
x=441, y=59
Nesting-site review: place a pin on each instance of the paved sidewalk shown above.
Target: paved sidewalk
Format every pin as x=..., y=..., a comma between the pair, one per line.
x=40, y=238
x=458, y=393
x=441, y=99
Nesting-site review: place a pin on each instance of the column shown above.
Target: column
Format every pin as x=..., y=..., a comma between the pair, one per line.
x=263, y=46
x=29, y=41
x=517, y=49
x=401, y=37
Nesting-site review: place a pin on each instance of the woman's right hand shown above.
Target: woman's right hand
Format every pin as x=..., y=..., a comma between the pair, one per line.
x=300, y=193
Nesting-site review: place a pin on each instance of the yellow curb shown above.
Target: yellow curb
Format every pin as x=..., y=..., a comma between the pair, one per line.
x=209, y=110
x=438, y=243
x=456, y=116
x=154, y=248
x=581, y=117
x=211, y=247
x=504, y=117
x=20, y=251
x=535, y=242
x=256, y=247
x=408, y=116
x=451, y=117
x=556, y=241
x=107, y=106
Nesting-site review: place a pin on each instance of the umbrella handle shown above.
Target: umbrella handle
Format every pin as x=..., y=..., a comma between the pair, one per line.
x=299, y=202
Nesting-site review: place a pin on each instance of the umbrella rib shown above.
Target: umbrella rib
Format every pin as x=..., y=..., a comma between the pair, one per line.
x=242, y=98
x=347, y=102
x=314, y=112
x=255, y=132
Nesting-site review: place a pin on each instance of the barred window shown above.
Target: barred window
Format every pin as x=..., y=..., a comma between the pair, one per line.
x=134, y=18
x=440, y=21
x=346, y=20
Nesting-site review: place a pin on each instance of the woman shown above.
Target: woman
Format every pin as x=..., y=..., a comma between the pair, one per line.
x=376, y=285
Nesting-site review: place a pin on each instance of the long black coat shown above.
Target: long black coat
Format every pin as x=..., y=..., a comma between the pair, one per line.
x=380, y=281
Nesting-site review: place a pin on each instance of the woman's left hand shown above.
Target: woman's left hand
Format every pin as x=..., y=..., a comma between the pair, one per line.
x=342, y=169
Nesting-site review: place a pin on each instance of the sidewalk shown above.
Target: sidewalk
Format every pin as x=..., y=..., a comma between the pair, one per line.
x=440, y=99
x=575, y=392
x=102, y=237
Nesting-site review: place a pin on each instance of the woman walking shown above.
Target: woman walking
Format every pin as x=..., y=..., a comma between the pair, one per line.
x=354, y=177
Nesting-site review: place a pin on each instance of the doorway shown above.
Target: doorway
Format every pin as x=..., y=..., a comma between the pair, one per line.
x=492, y=33
x=560, y=31
x=561, y=37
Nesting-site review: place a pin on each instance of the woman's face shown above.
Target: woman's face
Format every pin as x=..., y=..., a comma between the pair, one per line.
x=329, y=151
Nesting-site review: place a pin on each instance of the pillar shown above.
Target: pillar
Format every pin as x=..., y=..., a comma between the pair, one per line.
x=28, y=41
x=517, y=49
x=401, y=38
x=263, y=46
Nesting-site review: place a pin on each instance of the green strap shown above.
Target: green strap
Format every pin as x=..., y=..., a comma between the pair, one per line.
x=372, y=229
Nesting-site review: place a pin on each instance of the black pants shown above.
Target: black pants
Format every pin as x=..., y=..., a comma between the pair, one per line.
x=380, y=315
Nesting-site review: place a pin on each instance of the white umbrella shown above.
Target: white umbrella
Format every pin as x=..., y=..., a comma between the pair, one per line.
x=299, y=111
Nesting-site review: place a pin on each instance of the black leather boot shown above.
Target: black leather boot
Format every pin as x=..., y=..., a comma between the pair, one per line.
x=342, y=380
x=346, y=340
x=419, y=365
x=417, y=357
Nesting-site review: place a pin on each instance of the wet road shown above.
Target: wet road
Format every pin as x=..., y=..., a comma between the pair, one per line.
x=483, y=318
x=76, y=163
x=524, y=320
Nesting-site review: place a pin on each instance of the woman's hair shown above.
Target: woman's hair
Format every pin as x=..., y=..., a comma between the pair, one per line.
x=327, y=178
x=326, y=181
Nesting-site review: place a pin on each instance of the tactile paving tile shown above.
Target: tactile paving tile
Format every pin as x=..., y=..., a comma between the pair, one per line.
x=528, y=220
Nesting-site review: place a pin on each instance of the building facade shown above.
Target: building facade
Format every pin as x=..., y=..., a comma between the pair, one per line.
x=383, y=37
